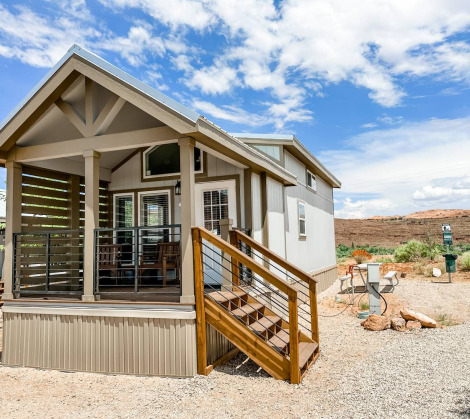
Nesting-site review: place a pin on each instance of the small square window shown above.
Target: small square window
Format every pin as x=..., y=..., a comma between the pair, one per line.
x=311, y=181
x=302, y=220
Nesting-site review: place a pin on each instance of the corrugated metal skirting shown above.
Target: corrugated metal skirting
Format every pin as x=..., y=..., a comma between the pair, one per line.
x=217, y=344
x=143, y=346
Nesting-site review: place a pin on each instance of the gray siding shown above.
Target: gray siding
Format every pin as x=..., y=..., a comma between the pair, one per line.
x=317, y=250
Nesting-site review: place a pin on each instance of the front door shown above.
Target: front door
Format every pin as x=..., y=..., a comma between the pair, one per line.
x=214, y=201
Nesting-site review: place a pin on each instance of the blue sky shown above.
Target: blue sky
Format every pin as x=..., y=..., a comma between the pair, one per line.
x=378, y=90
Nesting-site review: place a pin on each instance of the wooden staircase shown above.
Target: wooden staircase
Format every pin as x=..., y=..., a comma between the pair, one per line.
x=275, y=344
x=265, y=337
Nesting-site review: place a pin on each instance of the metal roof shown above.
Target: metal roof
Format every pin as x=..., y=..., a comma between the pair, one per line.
x=113, y=70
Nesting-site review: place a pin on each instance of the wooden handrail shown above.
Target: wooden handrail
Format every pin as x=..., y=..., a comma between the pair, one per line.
x=299, y=273
x=247, y=261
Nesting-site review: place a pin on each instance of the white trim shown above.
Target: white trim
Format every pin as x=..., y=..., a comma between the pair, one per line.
x=147, y=313
x=299, y=203
x=144, y=174
x=314, y=189
x=156, y=192
x=131, y=194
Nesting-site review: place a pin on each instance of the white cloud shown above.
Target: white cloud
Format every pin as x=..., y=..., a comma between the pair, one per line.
x=219, y=78
x=391, y=120
x=445, y=190
x=405, y=162
x=230, y=113
x=363, y=208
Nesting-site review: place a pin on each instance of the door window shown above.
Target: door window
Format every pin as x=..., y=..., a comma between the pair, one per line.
x=215, y=205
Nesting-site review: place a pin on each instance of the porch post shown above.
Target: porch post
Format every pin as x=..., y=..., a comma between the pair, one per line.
x=187, y=218
x=92, y=187
x=13, y=222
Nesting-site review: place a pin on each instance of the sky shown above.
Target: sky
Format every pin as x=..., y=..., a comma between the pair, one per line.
x=378, y=90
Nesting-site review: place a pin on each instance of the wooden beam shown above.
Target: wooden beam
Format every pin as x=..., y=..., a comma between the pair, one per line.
x=108, y=114
x=104, y=143
x=70, y=113
x=126, y=159
x=89, y=108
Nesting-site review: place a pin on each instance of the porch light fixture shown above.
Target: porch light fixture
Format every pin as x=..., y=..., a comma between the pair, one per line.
x=178, y=188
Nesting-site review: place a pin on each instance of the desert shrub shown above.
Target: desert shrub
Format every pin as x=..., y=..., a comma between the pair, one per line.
x=415, y=250
x=364, y=305
x=345, y=251
x=464, y=261
x=361, y=255
x=419, y=267
x=384, y=260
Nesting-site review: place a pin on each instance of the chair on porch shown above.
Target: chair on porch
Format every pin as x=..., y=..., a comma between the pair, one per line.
x=167, y=256
x=109, y=260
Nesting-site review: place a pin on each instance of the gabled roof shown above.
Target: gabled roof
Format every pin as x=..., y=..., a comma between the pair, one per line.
x=183, y=119
x=296, y=148
x=111, y=69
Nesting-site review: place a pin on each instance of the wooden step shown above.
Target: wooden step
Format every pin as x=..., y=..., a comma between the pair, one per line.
x=224, y=296
x=248, y=310
x=306, y=352
x=265, y=324
x=280, y=340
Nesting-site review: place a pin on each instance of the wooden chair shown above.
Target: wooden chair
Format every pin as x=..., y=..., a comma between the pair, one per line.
x=109, y=259
x=167, y=257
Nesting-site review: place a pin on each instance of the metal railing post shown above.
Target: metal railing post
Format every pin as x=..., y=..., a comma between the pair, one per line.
x=48, y=260
x=136, y=234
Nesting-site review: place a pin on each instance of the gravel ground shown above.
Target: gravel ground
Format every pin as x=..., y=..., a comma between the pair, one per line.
x=360, y=374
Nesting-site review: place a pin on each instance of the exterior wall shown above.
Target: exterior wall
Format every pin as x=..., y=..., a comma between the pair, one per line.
x=317, y=250
x=256, y=207
x=276, y=218
x=109, y=340
x=128, y=177
x=217, y=345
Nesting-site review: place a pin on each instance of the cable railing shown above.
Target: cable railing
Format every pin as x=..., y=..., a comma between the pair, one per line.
x=144, y=259
x=48, y=262
x=304, y=283
x=220, y=267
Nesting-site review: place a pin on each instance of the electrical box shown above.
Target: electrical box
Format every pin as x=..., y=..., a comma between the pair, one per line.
x=373, y=273
x=450, y=262
x=373, y=288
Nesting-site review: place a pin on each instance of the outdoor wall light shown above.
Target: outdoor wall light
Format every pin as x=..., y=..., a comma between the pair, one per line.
x=178, y=188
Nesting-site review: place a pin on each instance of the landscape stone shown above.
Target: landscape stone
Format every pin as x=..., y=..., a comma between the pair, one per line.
x=436, y=272
x=398, y=324
x=376, y=323
x=423, y=319
x=413, y=324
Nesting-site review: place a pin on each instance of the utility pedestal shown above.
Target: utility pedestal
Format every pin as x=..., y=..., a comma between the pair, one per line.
x=373, y=287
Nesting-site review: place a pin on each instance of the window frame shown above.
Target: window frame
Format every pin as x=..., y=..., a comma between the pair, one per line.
x=117, y=195
x=153, y=192
x=165, y=175
x=314, y=189
x=304, y=219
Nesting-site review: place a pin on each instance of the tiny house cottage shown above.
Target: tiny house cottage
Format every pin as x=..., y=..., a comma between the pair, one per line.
x=143, y=239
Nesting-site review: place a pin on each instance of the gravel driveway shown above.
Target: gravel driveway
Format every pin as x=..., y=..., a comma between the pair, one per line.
x=360, y=374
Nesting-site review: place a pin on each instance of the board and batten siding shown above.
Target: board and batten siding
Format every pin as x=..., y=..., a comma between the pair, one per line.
x=114, y=343
x=316, y=252
x=128, y=177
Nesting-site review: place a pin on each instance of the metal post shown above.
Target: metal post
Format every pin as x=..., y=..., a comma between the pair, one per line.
x=48, y=260
x=136, y=259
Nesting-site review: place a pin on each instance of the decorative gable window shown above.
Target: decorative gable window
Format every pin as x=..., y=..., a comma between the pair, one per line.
x=164, y=160
x=302, y=226
x=311, y=181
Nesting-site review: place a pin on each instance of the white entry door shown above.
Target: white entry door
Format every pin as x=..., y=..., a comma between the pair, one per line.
x=214, y=201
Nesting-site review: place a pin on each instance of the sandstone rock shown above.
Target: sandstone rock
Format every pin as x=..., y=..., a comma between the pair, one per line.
x=413, y=324
x=423, y=319
x=436, y=272
x=398, y=324
x=376, y=323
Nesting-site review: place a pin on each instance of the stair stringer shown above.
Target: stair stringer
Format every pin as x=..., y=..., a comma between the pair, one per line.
x=248, y=342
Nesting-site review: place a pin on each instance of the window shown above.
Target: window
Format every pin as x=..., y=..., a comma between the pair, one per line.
x=311, y=181
x=123, y=210
x=154, y=209
x=302, y=226
x=215, y=209
x=270, y=150
x=164, y=160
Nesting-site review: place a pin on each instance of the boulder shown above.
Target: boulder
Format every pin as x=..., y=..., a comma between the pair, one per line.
x=413, y=324
x=398, y=324
x=375, y=322
x=403, y=275
x=436, y=272
x=423, y=319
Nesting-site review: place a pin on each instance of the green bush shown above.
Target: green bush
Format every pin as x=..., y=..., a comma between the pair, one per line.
x=415, y=250
x=464, y=261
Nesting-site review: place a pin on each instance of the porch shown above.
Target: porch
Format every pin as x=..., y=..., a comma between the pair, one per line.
x=133, y=264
